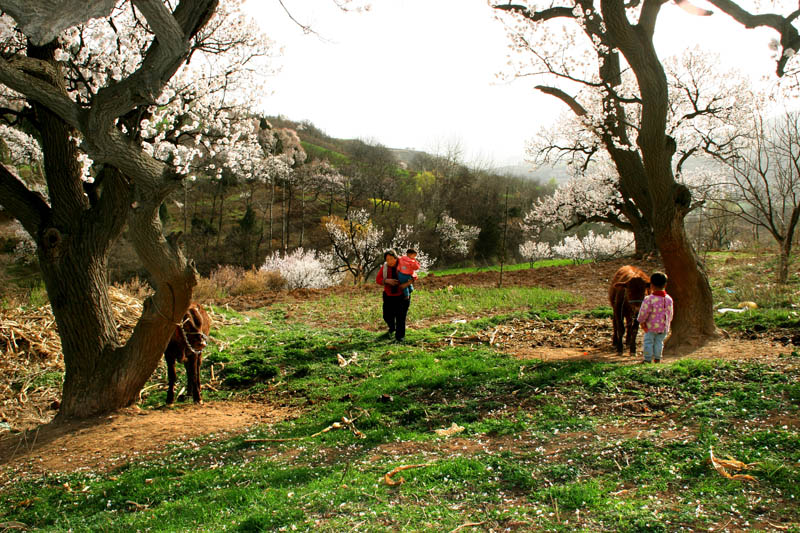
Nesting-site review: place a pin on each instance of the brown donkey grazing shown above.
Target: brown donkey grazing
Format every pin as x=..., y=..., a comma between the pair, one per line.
x=628, y=288
x=186, y=346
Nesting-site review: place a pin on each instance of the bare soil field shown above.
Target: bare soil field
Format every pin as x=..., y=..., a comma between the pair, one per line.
x=104, y=443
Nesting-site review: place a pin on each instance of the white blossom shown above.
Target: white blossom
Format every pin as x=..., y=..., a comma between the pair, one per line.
x=533, y=251
x=594, y=247
x=456, y=238
x=304, y=269
x=403, y=240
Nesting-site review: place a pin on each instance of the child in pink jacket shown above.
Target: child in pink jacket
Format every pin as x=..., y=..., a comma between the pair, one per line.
x=655, y=315
x=406, y=271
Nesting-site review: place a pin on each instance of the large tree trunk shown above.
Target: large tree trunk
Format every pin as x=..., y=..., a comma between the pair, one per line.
x=783, y=260
x=102, y=375
x=693, y=323
x=76, y=230
x=653, y=187
x=644, y=241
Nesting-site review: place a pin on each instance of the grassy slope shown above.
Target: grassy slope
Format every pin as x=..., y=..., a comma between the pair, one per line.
x=507, y=268
x=545, y=446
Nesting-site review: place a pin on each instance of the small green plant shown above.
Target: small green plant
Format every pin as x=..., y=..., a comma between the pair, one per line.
x=573, y=496
x=251, y=370
x=37, y=297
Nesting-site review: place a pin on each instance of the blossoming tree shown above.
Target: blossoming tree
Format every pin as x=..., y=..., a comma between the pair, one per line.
x=121, y=120
x=356, y=242
x=605, y=47
x=454, y=238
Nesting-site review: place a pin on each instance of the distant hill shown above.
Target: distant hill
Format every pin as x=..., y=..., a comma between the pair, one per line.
x=320, y=140
x=406, y=155
x=543, y=174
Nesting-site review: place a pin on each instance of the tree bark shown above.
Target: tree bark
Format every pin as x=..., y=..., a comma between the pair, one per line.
x=693, y=322
x=75, y=232
x=644, y=240
x=783, y=260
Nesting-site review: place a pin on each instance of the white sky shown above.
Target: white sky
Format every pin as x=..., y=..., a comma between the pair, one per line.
x=421, y=74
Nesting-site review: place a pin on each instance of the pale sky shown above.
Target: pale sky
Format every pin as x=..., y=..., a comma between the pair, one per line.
x=421, y=74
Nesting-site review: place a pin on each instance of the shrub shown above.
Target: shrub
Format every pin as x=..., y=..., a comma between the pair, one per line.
x=135, y=288
x=302, y=269
x=257, y=281
x=229, y=280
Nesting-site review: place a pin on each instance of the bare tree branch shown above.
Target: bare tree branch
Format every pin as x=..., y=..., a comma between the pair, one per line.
x=38, y=89
x=547, y=14
x=577, y=108
x=24, y=205
x=169, y=34
x=790, y=39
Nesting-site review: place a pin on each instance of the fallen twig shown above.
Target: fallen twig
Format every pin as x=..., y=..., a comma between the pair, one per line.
x=452, y=430
x=4, y=526
x=345, y=423
x=365, y=493
x=391, y=482
x=138, y=506
x=491, y=338
x=450, y=337
x=141, y=392
x=468, y=524
x=721, y=466
x=723, y=527
x=344, y=362
x=776, y=526
x=273, y=440
x=620, y=404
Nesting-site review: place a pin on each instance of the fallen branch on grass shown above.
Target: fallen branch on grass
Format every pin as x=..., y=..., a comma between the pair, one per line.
x=629, y=402
x=723, y=465
x=491, y=339
x=345, y=423
x=344, y=362
x=4, y=526
x=391, y=482
x=468, y=524
x=452, y=430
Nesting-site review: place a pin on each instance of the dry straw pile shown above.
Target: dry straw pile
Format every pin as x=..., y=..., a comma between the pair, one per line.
x=31, y=363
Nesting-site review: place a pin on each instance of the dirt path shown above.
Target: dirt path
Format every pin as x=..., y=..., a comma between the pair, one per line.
x=103, y=443
x=589, y=339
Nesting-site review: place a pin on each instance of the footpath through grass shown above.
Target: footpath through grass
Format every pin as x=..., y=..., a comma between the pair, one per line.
x=536, y=446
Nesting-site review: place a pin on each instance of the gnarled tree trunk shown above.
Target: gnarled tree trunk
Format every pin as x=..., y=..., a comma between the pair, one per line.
x=76, y=230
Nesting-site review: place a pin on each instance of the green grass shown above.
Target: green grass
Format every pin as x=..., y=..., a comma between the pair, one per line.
x=546, y=458
x=364, y=308
x=742, y=276
x=545, y=446
x=496, y=268
x=336, y=158
x=759, y=320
